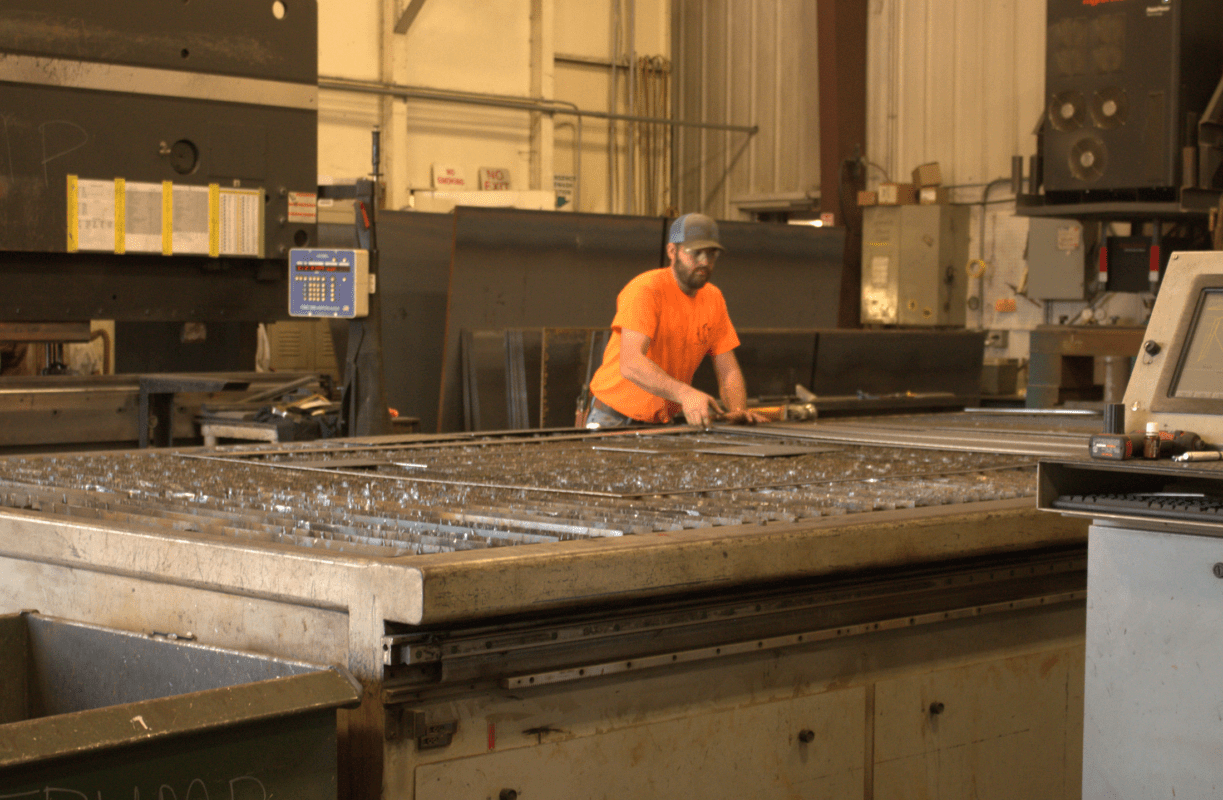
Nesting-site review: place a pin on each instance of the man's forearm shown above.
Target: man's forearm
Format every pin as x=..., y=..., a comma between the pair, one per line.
x=734, y=391
x=654, y=379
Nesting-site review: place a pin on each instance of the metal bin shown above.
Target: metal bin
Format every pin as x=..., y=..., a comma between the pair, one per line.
x=91, y=712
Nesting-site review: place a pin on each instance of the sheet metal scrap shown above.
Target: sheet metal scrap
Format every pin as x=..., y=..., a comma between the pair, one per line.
x=427, y=497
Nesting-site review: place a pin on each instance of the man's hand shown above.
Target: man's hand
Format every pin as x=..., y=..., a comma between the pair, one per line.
x=699, y=408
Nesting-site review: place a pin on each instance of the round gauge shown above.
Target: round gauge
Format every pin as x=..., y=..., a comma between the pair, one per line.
x=184, y=157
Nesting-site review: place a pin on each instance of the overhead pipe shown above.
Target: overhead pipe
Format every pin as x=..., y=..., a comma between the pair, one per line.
x=548, y=106
x=511, y=101
x=471, y=98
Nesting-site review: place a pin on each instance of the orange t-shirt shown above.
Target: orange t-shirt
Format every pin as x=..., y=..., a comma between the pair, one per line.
x=682, y=330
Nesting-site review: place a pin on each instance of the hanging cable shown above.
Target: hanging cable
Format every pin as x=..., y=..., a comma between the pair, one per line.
x=652, y=141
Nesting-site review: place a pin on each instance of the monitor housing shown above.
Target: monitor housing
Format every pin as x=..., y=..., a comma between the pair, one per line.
x=1177, y=380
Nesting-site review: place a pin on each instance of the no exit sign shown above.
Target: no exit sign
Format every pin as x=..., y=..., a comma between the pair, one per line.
x=494, y=178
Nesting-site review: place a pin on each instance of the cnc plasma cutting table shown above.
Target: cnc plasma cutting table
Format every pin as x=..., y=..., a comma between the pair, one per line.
x=850, y=608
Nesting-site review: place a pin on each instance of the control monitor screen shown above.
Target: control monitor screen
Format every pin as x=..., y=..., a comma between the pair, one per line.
x=1200, y=371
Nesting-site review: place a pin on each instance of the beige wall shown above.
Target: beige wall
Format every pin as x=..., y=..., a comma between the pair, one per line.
x=960, y=82
x=515, y=48
x=749, y=63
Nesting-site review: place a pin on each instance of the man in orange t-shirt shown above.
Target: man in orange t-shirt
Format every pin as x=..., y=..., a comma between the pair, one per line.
x=666, y=321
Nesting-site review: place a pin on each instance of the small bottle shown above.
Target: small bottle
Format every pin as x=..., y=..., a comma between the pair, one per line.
x=1150, y=444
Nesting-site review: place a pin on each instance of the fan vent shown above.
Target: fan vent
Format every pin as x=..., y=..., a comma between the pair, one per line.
x=1088, y=158
x=1068, y=110
x=1110, y=107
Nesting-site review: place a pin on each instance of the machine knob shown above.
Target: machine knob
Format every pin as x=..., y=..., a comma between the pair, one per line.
x=806, y=736
x=936, y=708
x=1151, y=347
x=508, y=794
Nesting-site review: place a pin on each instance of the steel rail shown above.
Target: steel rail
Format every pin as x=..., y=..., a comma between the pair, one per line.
x=414, y=479
x=863, y=479
x=415, y=648
x=439, y=663
x=1037, y=412
x=416, y=441
x=129, y=388
x=895, y=437
x=597, y=493
x=754, y=645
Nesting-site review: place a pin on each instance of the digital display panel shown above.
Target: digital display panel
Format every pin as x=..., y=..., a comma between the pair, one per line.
x=1200, y=373
x=318, y=266
x=328, y=283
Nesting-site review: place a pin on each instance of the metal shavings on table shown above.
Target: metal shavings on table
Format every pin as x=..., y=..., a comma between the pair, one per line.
x=429, y=497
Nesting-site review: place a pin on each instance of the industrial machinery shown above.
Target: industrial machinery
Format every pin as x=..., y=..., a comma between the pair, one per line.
x=157, y=162
x=834, y=609
x=154, y=130
x=1156, y=556
x=1126, y=85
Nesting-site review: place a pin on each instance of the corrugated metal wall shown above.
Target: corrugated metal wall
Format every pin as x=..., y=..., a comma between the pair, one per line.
x=960, y=82
x=746, y=62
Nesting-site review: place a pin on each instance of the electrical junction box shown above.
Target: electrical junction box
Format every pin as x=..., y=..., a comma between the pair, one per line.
x=1058, y=267
x=1137, y=264
x=914, y=262
x=329, y=283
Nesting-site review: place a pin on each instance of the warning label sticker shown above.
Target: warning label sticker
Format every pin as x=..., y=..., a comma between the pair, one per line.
x=303, y=207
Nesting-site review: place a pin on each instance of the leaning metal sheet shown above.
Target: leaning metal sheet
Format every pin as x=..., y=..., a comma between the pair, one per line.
x=465, y=493
x=514, y=268
x=413, y=272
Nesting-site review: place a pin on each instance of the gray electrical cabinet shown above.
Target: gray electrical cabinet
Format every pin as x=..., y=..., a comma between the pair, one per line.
x=914, y=260
x=1057, y=258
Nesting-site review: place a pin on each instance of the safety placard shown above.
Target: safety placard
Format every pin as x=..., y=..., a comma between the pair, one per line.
x=189, y=220
x=303, y=207
x=240, y=222
x=121, y=216
x=91, y=215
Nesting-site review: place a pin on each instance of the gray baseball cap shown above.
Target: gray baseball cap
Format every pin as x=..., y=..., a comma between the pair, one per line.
x=695, y=231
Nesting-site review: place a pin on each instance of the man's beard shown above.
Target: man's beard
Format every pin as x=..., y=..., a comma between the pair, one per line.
x=697, y=278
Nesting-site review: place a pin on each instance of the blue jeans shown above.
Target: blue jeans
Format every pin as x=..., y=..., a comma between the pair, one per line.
x=602, y=416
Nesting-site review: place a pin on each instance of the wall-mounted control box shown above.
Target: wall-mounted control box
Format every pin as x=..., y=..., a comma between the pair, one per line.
x=329, y=283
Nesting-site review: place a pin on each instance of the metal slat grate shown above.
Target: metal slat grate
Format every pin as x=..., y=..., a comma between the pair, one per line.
x=474, y=493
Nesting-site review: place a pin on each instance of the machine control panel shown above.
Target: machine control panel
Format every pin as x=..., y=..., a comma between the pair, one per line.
x=1167, y=464
x=329, y=283
x=1177, y=380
